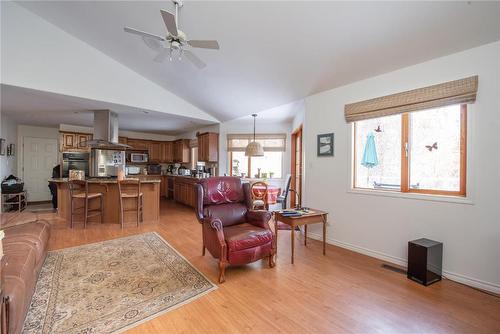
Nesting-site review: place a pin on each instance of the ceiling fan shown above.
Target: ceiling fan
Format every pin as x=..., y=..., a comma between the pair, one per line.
x=176, y=41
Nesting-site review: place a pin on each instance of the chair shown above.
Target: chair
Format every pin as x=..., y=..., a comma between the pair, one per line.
x=131, y=189
x=232, y=232
x=79, y=190
x=258, y=191
x=284, y=195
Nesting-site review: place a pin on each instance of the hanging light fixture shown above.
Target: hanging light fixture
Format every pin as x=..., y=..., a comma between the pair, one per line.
x=254, y=149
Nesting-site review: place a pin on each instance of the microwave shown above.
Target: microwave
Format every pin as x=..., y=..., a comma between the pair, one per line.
x=138, y=157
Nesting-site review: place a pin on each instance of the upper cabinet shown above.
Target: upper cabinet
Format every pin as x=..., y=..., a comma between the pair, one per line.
x=166, y=151
x=208, y=147
x=181, y=151
x=138, y=144
x=73, y=141
x=154, y=151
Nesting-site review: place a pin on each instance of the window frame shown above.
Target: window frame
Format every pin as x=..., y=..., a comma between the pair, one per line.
x=250, y=165
x=405, y=158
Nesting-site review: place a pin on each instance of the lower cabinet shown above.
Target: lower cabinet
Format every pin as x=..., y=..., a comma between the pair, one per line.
x=184, y=191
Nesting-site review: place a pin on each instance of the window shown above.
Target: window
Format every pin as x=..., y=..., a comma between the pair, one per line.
x=419, y=152
x=194, y=157
x=270, y=165
x=239, y=163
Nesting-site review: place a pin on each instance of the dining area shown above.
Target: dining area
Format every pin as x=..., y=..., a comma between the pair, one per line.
x=268, y=195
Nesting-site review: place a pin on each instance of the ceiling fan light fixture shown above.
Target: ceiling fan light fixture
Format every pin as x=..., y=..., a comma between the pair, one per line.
x=254, y=149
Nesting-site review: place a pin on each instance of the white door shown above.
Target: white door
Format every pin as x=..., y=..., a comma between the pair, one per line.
x=39, y=157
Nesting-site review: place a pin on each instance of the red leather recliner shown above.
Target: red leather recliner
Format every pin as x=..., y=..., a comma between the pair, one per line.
x=232, y=232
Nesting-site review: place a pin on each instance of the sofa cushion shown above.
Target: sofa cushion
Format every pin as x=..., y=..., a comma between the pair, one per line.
x=244, y=236
x=249, y=255
x=34, y=234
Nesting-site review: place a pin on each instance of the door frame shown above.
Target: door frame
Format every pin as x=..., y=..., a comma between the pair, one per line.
x=293, y=170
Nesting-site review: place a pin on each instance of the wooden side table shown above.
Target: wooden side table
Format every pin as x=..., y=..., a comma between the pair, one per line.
x=18, y=199
x=314, y=217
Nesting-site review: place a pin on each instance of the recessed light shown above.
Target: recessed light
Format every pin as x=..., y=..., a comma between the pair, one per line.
x=145, y=111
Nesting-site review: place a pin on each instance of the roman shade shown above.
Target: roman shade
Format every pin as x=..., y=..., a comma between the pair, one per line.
x=270, y=142
x=448, y=93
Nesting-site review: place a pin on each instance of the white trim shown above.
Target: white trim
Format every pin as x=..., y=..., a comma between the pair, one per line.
x=423, y=197
x=470, y=281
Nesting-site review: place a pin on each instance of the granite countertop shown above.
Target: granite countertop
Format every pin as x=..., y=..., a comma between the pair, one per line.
x=104, y=180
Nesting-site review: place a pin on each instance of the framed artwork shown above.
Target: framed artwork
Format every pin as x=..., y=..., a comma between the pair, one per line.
x=11, y=150
x=325, y=145
x=2, y=146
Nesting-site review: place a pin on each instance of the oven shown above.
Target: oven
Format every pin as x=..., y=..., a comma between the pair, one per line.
x=74, y=160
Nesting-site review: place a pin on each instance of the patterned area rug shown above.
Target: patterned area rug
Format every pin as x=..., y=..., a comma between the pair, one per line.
x=110, y=286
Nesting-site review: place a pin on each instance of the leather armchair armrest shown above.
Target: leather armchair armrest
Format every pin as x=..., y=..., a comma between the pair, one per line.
x=259, y=218
x=199, y=203
x=213, y=237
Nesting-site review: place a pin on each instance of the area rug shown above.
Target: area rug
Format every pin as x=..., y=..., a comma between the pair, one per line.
x=110, y=286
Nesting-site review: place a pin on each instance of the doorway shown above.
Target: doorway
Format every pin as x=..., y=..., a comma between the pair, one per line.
x=39, y=157
x=297, y=168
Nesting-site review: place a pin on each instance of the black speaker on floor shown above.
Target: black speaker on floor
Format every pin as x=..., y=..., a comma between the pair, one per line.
x=425, y=261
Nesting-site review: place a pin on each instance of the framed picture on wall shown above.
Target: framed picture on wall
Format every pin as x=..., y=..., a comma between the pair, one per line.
x=2, y=146
x=325, y=145
x=11, y=150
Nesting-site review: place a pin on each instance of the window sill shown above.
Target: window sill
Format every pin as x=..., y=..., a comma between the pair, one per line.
x=422, y=197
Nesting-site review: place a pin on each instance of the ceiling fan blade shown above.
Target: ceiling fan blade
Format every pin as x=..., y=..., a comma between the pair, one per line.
x=204, y=44
x=153, y=44
x=142, y=33
x=194, y=59
x=161, y=56
x=169, y=20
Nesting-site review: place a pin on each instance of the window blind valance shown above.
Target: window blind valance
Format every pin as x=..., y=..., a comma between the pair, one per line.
x=448, y=93
x=270, y=142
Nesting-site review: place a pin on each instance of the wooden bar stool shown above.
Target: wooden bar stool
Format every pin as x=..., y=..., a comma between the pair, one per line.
x=131, y=189
x=258, y=191
x=79, y=190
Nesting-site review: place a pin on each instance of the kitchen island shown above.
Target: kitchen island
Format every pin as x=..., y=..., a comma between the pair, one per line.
x=150, y=187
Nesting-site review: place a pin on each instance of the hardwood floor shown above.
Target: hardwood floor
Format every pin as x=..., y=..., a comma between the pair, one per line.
x=342, y=292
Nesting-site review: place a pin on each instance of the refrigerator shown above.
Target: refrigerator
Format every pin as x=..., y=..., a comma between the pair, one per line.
x=106, y=162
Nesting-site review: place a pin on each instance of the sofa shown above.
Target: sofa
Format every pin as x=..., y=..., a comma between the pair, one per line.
x=24, y=250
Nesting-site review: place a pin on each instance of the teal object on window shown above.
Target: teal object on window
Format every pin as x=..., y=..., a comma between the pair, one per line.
x=370, y=159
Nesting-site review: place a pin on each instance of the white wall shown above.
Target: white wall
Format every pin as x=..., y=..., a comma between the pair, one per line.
x=382, y=226
x=8, y=164
x=38, y=55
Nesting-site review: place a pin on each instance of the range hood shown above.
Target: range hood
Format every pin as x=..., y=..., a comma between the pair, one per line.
x=106, y=131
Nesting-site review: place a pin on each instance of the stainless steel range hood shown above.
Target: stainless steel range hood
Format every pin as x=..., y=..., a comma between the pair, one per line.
x=106, y=131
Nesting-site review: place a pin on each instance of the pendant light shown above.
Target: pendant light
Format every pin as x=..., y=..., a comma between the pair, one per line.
x=254, y=149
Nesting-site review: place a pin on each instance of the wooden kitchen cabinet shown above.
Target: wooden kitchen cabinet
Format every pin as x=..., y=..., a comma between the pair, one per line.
x=138, y=144
x=73, y=141
x=208, y=147
x=154, y=151
x=123, y=140
x=184, y=190
x=181, y=151
x=166, y=151
x=68, y=141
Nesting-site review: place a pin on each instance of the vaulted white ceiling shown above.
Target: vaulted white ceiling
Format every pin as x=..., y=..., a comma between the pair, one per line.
x=273, y=53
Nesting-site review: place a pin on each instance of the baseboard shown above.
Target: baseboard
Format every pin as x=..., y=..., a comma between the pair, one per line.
x=473, y=282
